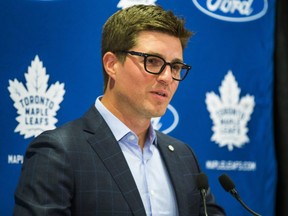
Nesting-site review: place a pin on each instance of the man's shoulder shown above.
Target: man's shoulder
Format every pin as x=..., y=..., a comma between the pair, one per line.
x=75, y=125
x=68, y=130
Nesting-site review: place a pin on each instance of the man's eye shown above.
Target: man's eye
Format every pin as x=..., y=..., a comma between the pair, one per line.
x=177, y=67
x=154, y=61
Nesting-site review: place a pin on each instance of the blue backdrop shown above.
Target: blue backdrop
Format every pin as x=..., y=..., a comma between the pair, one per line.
x=51, y=73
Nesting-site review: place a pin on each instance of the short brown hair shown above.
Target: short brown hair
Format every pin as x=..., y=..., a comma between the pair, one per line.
x=121, y=29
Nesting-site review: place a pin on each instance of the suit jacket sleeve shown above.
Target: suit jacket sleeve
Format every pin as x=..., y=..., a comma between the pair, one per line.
x=45, y=186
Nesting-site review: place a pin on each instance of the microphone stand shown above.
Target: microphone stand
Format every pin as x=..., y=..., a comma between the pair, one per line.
x=236, y=195
x=203, y=193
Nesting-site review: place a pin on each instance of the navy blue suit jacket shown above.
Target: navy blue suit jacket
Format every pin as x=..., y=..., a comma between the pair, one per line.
x=79, y=169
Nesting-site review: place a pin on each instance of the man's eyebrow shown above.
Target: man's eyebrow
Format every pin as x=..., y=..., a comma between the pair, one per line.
x=160, y=55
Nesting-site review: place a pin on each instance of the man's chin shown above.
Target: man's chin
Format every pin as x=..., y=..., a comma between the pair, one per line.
x=159, y=114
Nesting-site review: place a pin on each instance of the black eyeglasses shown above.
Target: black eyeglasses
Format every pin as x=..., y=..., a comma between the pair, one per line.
x=155, y=65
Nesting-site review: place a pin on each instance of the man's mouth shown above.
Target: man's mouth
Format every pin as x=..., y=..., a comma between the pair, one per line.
x=163, y=94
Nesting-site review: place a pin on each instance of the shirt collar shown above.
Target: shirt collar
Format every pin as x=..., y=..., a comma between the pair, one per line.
x=118, y=128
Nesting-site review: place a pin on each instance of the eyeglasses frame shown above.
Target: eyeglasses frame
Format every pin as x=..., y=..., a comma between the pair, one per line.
x=146, y=55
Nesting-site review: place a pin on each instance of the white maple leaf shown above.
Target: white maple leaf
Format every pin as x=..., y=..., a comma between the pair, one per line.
x=229, y=114
x=229, y=90
x=36, y=106
x=36, y=77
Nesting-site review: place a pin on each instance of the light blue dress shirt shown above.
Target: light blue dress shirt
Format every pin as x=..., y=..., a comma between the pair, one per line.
x=147, y=167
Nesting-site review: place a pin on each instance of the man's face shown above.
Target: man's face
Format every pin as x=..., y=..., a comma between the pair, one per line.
x=138, y=93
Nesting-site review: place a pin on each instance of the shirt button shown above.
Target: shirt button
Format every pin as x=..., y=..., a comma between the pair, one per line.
x=152, y=193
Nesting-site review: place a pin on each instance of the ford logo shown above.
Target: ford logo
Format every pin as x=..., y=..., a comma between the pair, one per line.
x=233, y=10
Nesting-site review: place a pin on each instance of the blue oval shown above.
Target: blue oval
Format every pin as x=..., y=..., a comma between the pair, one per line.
x=233, y=10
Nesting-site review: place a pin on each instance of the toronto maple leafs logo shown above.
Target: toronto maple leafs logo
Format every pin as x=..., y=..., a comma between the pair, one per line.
x=230, y=114
x=127, y=3
x=36, y=105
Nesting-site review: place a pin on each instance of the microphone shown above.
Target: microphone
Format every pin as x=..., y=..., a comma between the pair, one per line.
x=229, y=186
x=202, y=183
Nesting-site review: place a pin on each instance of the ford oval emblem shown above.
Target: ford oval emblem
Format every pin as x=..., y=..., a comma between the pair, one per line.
x=233, y=10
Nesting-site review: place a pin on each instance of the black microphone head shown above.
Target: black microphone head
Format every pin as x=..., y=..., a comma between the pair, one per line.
x=226, y=182
x=202, y=181
x=229, y=186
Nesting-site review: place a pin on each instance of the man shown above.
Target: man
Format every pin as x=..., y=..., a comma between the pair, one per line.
x=111, y=161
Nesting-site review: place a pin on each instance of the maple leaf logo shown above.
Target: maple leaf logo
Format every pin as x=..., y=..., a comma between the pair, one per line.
x=36, y=105
x=127, y=3
x=229, y=114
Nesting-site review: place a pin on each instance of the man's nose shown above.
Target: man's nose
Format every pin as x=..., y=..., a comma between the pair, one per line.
x=166, y=74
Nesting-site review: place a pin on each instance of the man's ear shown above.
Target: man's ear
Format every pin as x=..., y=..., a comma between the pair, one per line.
x=109, y=62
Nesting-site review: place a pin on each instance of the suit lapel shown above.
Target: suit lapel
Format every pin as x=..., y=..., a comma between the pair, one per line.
x=175, y=169
x=107, y=148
